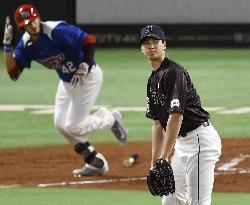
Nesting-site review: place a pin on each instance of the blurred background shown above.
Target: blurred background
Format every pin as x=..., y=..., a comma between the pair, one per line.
x=115, y=23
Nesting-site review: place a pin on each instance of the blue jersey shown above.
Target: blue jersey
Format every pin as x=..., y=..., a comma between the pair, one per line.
x=58, y=47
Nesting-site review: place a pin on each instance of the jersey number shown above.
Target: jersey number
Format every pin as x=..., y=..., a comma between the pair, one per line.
x=68, y=68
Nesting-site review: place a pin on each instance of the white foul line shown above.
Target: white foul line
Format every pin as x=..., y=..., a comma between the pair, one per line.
x=229, y=166
x=101, y=181
x=9, y=186
x=226, y=168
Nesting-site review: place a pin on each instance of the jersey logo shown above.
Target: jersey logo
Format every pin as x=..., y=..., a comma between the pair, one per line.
x=25, y=14
x=175, y=103
x=53, y=62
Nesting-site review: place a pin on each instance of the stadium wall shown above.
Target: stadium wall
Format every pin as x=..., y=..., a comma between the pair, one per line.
x=116, y=23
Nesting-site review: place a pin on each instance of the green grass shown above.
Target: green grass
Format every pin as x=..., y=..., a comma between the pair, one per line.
x=27, y=129
x=71, y=196
x=221, y=77
x=232, y=126
x=30, y=196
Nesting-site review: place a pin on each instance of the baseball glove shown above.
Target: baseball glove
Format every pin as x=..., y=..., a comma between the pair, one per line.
x=160, y=179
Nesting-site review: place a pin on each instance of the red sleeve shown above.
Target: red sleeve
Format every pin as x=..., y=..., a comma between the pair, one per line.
x=90, y=39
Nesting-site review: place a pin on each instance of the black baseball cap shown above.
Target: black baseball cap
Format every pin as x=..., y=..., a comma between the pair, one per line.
x=152, y=31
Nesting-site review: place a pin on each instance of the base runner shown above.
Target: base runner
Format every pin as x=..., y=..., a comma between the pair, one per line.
x=69, y=51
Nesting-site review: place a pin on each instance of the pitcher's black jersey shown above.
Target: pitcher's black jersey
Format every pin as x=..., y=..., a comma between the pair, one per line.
x=170, y=90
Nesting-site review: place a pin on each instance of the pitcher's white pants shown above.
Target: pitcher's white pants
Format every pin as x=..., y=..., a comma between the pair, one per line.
x=193, y=166
x=73, y=105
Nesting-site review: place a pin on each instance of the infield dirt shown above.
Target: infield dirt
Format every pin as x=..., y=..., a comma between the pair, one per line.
x=54, y=164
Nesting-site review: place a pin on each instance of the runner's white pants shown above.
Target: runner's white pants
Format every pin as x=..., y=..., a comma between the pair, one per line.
x=73, y=105
x=193, y=165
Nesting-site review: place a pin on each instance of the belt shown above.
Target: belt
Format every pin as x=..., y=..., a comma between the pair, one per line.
x=204, y=124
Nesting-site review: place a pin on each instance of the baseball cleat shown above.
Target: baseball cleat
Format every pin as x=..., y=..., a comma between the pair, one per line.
x=90, y=170
x=118, y=128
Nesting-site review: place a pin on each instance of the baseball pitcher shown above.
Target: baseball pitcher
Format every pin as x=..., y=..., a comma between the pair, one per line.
x=181, y=123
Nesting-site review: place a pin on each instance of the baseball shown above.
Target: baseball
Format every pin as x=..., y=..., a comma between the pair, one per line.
x=131, y=160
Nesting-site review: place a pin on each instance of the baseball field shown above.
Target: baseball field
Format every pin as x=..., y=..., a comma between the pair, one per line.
x=36, y=162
